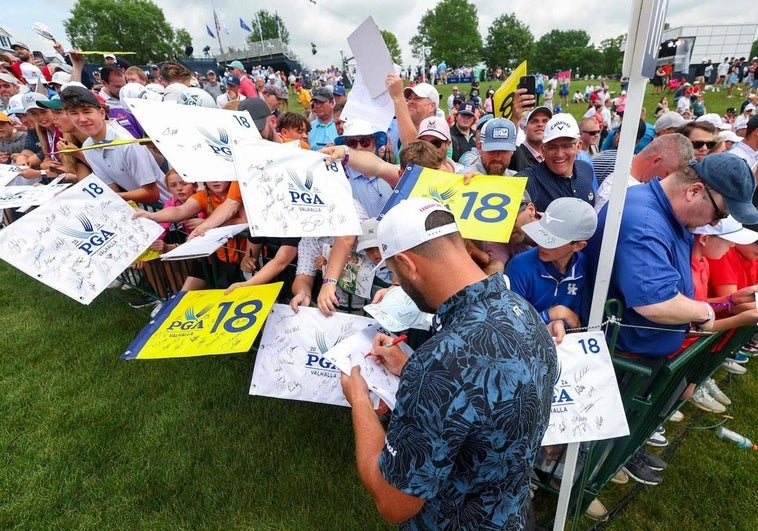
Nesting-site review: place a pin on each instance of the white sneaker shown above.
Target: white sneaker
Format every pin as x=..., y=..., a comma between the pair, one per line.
x=155, y=310
x=733, y=367
x=677, y=416
x=715, y=392
x=703, y=400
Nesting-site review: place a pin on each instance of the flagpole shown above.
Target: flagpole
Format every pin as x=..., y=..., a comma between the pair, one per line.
x=217, y=27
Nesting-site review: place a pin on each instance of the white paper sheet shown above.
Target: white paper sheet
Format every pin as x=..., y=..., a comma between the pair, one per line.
x=204, y=245
x=372, y=56
x=79, y=241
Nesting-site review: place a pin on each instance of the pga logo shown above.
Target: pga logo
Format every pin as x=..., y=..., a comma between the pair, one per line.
x=89, y=239
x=219, y=144
x=192, y=320
x=302, y=192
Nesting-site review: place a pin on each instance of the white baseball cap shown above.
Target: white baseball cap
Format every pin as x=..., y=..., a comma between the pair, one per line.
x=434, y=126
x=403, y=227
x=367, y=239
x=730, y=136
x=423, y=90
x=565, y=220
x=561, y=125
x=731, y=230
x=715, y=120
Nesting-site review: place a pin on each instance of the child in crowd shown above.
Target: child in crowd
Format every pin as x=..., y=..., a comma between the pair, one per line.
x=294, y=126
x=227, y=258
x=552, y=275
x=712, y=242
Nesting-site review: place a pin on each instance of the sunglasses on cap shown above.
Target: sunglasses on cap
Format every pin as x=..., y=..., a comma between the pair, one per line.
x=698, y=144
x=364, y=141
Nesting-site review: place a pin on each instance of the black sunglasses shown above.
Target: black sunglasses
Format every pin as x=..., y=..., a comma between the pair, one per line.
x=698, y=144
x=436, y=142
x=591, y=133
x=718, y=213
x=364, y=141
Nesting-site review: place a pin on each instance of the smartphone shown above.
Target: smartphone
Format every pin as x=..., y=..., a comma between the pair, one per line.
x=529, y=83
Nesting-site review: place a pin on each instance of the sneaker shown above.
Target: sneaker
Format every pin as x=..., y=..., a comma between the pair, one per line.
x=657, y=440
x=640, y=472
x=116, y=284
x=157, y=309
x=703, y=400
x=597, y=511
x=652, y=460
x=749, y=353
x=733, y=367
x=143, y=302
x=739, y=358
x=751, y=346
x=677, y=416
x=715, y=392
x=620, y=478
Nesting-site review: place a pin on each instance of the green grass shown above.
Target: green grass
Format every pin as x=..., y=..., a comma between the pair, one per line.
x=89, y=441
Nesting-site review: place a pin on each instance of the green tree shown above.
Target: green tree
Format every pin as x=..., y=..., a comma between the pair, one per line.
x=267, y=25
x=509, y=41
x=613, y=57
x=559, y=49
x=392, y=45
x=121, y=25
x=450, y=32
x=182, y=39
x=754, y=50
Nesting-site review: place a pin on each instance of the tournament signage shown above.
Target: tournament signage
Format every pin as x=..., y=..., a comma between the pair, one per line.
x=503, y=98
x=485, y=209
x=292, y=360
x=586, y=404
x=79, y=241
x=195, y=140
x=204, y=322
x=290, y=192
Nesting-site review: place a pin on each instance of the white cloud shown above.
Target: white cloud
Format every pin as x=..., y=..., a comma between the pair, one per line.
x=328, y=22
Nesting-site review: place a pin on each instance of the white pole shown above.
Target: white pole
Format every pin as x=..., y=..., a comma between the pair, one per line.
x=643, y=41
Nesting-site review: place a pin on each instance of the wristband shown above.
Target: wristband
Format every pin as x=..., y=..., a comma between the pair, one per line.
x=347, y=157
x=42, y=173
x=731, y=303
x=329, y=280
x=711, y=316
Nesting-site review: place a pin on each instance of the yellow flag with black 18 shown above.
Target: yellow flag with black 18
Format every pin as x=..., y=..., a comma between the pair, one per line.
x=503, y=97
x=485, y=209
x=205, y=322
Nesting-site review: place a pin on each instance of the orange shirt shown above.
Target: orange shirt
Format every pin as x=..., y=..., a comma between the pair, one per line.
x=231, y=251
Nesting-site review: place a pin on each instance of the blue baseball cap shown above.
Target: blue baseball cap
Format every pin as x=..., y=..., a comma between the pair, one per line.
x=498, y=134
x=730, y=176
x=232, y=80
x=339, y=90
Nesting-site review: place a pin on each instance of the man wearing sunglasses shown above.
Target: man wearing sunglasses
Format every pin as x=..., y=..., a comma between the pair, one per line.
x=589, y=133
x=369, y=190
x=436, y=131
x=652, y=275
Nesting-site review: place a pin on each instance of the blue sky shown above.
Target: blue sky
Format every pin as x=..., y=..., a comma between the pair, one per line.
x=328, y=22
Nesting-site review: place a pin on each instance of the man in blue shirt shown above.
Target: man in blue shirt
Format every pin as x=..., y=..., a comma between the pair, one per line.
x=473, y=401
x=651, y=274
x=323, y=131
x=552, y=276
x=560, y=174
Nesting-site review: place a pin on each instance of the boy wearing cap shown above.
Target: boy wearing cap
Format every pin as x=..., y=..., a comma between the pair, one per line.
x=473, y=401
x=552, y=276
x=130, y=170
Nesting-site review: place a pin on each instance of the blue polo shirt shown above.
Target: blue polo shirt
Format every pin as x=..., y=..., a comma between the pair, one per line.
x=543, y=285
x=321, y=134
x=544, y=186
x=652, y=265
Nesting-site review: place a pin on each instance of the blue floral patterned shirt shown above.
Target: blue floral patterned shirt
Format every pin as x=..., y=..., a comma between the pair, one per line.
x=473, y=406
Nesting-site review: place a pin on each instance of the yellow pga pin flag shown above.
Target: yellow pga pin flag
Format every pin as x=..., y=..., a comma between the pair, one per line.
x=485, y=209
x=204, y=322
x=503, y=97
